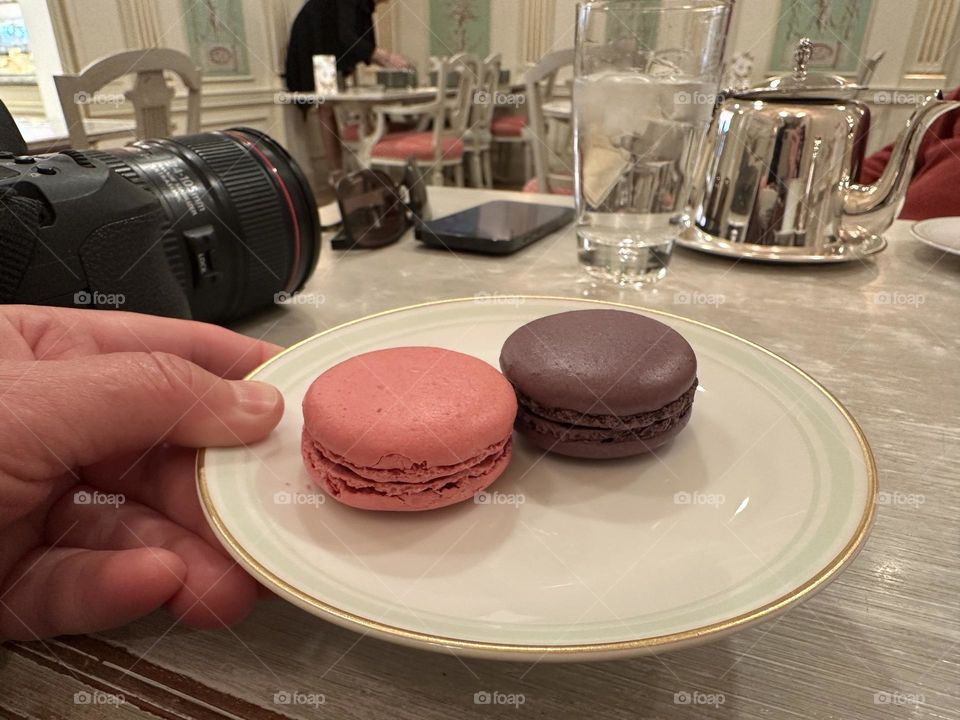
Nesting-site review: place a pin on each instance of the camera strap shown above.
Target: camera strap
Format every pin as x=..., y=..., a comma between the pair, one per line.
x=19, y=231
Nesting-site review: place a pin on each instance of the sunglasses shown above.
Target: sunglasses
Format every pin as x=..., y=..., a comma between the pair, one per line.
x=376, y=211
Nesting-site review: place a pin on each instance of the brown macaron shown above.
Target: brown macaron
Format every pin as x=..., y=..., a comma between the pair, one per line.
x=600, y=383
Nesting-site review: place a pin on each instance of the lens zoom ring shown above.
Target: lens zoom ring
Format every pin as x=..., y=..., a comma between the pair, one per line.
x=259, y=210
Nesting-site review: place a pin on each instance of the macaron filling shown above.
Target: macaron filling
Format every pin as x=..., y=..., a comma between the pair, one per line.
x=340, y=477
x=573, y=426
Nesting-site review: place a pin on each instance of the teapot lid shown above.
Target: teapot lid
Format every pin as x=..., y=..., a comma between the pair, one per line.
x=803, y=84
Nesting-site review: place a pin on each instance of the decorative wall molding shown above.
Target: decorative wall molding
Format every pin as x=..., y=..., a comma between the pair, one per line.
x=934, y=37
x=383, y=23
x=537, y=20
x=278, y=25
x=140, y=23
x=63, y=29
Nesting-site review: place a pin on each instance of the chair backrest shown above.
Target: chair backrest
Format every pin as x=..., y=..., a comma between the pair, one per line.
x=458, y=106
x=485, y=100
x=540, y=80
x=150, y=94
x=481, y=98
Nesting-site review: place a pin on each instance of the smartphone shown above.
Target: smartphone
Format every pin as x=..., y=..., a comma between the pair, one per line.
x=494, y=228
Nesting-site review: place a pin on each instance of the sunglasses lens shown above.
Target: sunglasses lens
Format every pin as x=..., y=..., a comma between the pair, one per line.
x=372, y=211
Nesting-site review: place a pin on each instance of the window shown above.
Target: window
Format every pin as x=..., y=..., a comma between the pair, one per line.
x=16, y=59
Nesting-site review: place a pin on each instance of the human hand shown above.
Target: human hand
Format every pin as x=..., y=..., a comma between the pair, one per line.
x=99, y=517
x=390, y=60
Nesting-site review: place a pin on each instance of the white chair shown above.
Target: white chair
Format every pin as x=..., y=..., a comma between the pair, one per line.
x=150, y=94
x=478, y=137
x=435, y=150
x=551, y=144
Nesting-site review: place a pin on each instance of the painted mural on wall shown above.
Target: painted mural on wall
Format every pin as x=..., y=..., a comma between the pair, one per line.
x=837, y=28
x=459, y=26
x=217, y=37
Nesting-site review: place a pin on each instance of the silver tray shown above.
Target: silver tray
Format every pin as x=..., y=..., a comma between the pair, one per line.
x=694, y=240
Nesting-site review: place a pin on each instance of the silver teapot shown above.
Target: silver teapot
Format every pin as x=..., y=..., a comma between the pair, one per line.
x=779, y=166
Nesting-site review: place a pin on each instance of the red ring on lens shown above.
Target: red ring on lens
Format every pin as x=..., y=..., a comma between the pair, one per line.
x=275, y=173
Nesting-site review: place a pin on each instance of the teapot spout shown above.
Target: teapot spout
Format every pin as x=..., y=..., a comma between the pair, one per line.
x=871, y=209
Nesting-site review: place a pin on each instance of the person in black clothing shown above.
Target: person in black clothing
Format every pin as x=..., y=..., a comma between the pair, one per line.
x=344, y=29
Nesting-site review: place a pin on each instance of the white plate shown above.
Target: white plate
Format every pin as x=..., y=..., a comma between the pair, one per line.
x=942, y=233
x=695, y=240
x=764, y=497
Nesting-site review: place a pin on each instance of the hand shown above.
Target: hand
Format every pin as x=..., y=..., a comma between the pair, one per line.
x=99, y=517
x=390, y=60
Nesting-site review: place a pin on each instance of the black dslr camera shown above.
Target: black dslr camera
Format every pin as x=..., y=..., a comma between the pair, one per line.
x=209, y=226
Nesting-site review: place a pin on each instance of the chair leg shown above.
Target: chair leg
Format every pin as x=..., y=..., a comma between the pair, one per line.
x=487, y=169
x=437, y=175
x=476, y=170
x=458, y=174
x=527, y=161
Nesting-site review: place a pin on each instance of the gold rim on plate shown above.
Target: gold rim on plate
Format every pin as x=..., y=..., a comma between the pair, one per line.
x=355, y=622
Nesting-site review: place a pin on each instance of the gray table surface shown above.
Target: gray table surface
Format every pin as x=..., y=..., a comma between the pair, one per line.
x=883, y=641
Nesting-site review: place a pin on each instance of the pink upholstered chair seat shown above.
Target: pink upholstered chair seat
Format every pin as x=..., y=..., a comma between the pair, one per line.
x=508, y=125
x=532, y=186
x=350, y=133
x=398, y=146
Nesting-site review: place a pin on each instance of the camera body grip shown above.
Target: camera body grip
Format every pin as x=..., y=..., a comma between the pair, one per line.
x=126, y=268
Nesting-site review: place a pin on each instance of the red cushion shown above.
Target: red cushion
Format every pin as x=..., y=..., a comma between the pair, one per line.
x=936, y=174
x=398, y=146
x=350, y=133
x=532, y=186
x=508, y=125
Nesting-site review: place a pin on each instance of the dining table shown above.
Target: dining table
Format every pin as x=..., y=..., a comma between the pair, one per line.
x=881, y=641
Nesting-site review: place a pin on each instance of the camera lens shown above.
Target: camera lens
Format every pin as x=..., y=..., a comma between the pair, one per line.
x=241, y=219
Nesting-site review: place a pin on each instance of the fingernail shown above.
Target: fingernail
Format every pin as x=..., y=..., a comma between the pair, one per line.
x=256, y=398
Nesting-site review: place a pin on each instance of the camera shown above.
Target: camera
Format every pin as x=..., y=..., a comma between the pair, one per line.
x=208, y=226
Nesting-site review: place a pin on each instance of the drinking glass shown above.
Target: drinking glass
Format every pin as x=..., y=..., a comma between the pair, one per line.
x=645, y=81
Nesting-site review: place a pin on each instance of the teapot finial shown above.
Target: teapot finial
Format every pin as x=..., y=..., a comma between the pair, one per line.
x=801, y=56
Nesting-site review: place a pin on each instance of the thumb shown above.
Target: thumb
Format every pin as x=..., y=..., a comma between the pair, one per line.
x=65, y=414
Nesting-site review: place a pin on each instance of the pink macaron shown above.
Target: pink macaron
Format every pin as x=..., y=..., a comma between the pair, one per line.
x=409, y=428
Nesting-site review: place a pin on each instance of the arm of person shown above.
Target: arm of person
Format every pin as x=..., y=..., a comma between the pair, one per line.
x=361, y=44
